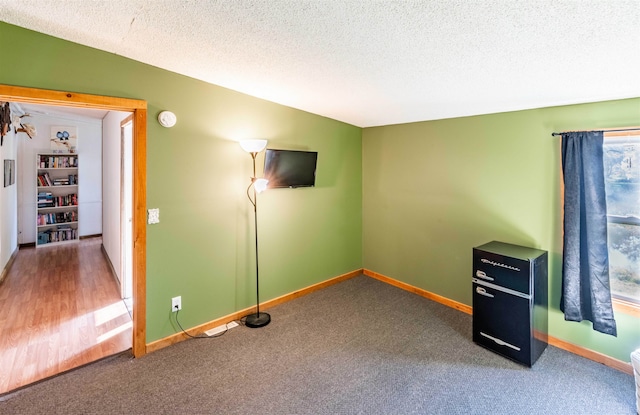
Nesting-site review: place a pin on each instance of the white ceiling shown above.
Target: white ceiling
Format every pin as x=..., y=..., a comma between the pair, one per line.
x=69, y=113
x=370, y=62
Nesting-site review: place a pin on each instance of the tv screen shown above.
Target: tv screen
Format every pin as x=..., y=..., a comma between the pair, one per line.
x=290, y=168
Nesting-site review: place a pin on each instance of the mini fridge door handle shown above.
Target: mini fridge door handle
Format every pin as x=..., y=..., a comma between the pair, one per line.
x=500, y=342
x=499, y=288
x=482, y=274
x=482, y=291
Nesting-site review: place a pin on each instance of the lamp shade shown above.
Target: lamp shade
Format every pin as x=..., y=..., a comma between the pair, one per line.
x=260, y=185
x=253, y=146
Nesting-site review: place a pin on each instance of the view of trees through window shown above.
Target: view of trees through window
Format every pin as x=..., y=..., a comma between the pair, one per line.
x=622, y=184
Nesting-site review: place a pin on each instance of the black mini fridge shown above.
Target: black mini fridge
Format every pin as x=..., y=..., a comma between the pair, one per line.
x=510, y=300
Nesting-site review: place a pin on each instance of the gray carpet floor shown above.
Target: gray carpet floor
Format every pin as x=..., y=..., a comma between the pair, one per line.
x=358, y=347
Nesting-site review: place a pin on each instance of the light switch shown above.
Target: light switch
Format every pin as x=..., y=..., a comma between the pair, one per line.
x=153, y=216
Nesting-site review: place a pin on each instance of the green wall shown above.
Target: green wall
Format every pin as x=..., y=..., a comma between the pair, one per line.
x=433, y=190
x=203, y=248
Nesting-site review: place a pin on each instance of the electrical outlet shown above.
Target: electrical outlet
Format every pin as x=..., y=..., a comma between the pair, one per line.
x=176, y=304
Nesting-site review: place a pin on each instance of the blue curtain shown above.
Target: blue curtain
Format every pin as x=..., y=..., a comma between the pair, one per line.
x=585, y=266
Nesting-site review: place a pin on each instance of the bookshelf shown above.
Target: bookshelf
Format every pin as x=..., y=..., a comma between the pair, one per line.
x=56, y=199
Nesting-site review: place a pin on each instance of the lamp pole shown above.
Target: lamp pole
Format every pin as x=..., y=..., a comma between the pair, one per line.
x=256, y=319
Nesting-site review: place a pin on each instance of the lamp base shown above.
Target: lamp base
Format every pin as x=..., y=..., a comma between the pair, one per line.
x=257, y=320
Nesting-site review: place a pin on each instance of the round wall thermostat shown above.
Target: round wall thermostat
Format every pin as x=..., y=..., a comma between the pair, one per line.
x=167, y=119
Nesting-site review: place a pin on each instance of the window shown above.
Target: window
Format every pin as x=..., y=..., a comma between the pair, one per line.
x=622, y=186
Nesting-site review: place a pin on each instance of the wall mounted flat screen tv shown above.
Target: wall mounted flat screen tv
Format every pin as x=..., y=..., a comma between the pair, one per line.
x=290, y=168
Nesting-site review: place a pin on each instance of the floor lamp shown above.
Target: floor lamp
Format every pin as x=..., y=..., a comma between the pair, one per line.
x=253, y=147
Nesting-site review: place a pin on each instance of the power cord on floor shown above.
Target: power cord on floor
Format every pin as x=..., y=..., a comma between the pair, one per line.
x=200, y=337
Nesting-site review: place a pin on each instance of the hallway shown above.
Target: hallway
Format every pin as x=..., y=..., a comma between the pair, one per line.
x=60, y=308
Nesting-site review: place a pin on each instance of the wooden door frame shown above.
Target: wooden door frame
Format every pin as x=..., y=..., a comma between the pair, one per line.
x=124, y=221
x=139, y=110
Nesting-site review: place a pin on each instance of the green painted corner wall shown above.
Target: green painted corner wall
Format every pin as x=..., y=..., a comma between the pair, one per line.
x=203, y=248
x=434, y=190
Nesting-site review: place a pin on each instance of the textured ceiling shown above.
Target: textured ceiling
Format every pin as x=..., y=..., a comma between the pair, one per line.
x=370, y=62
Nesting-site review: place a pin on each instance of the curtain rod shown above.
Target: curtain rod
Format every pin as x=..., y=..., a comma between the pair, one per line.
x=605, y=130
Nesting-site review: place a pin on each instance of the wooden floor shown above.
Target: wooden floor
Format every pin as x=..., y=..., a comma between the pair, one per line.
x=60, y=308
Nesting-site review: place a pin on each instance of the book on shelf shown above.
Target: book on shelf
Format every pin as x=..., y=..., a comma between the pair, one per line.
x=57, y=162
x=43, y=237
x=45, y=219
x=67, y=200
x=44, y=179
x=45, y=199
x=59, y=235
x=61, y=182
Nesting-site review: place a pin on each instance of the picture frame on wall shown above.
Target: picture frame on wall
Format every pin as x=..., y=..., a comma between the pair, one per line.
x=64, y=138
x=9, y=172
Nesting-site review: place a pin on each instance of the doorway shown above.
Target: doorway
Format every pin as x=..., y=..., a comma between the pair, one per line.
x=138, y=190
x=126, y=211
